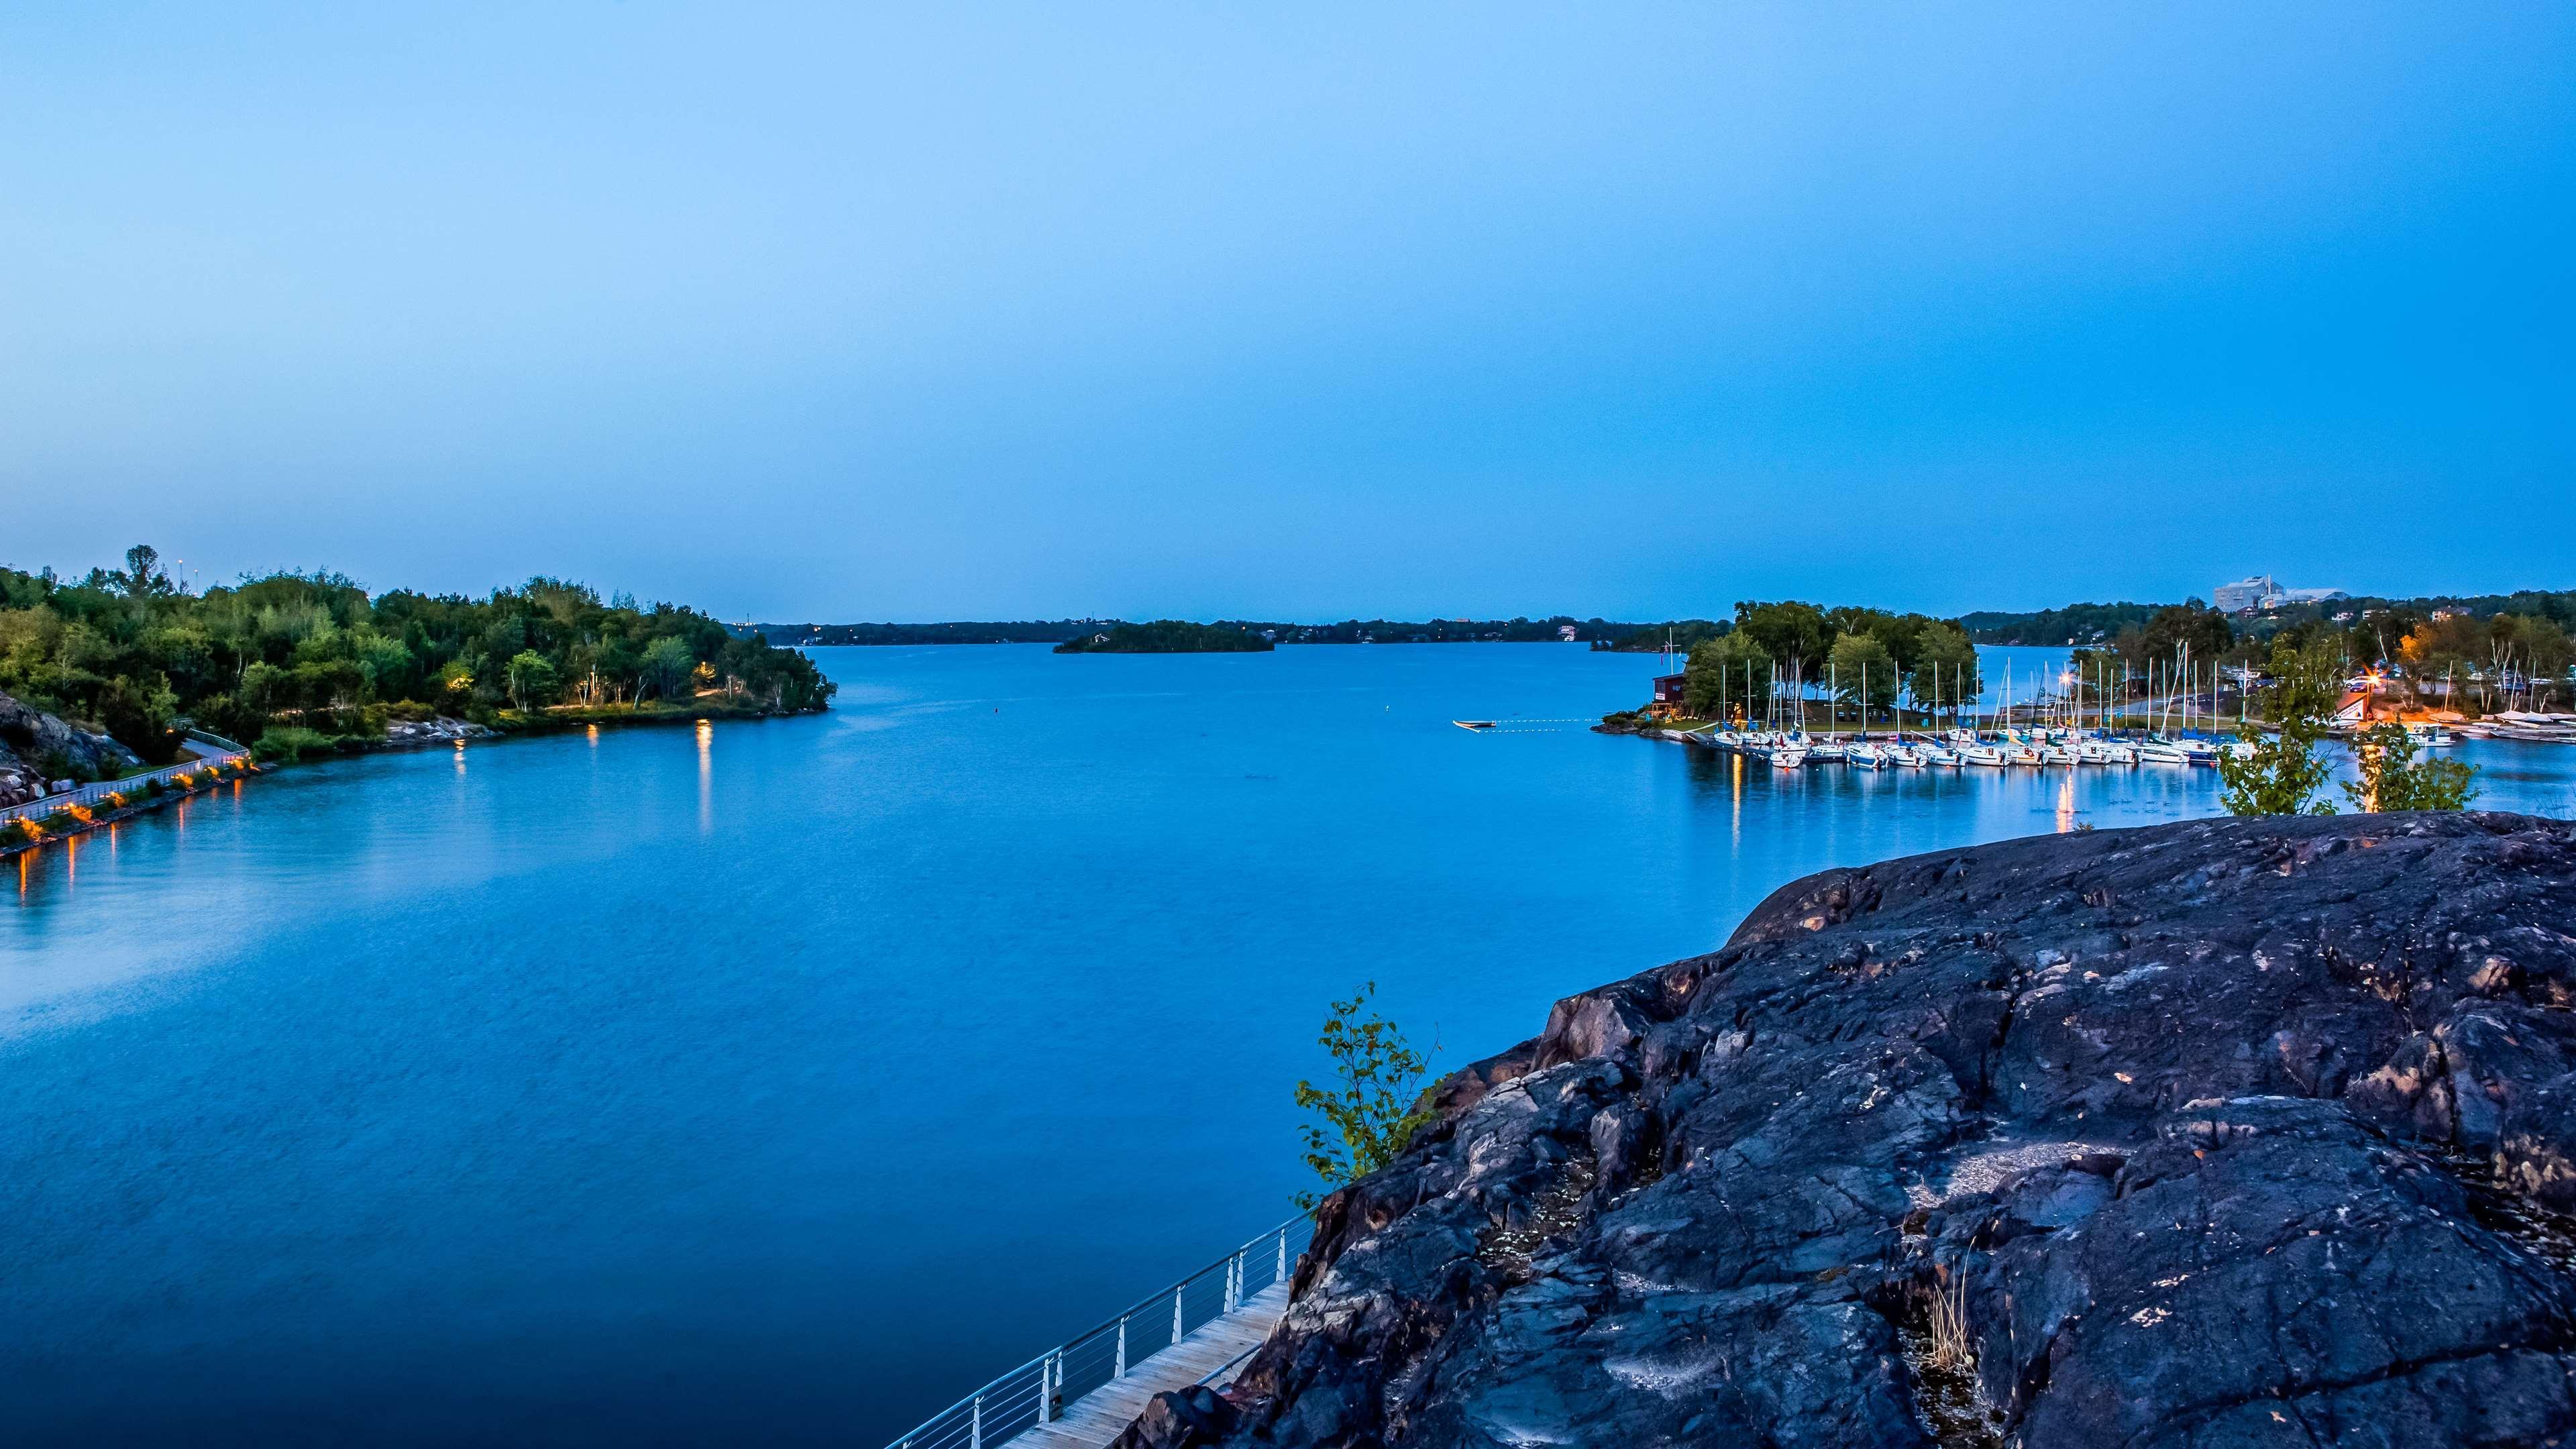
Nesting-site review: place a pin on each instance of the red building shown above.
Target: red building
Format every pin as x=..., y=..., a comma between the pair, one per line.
x=1668, y=697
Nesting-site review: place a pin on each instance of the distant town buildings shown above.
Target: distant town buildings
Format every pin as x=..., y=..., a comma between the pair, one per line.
x=2262, y=591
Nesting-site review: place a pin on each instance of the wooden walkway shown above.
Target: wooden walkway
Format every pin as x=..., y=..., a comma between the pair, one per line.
x=1209, y=1354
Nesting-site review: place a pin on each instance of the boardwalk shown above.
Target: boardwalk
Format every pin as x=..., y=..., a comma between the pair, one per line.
x=1208, y=1354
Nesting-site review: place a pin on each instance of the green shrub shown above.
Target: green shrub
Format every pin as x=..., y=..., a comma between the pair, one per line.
x=287, y=744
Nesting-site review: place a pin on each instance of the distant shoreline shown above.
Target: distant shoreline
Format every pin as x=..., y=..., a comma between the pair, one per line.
x=1559, y=629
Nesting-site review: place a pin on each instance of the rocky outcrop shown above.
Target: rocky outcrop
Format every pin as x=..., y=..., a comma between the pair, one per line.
x=2217, y=1133
x=439, y=730
x=37, y=750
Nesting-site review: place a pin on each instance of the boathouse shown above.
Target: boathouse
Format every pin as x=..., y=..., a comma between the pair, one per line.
x=1668, y=697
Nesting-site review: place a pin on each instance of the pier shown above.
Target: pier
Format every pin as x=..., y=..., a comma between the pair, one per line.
x=1209, y=1354
x=1084, y=1394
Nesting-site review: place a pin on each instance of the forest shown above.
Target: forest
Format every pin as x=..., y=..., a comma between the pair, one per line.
x=299, y=662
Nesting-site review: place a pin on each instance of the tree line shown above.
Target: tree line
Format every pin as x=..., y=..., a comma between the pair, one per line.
x=2471, y=662
x=132, y=653
x=1871, y=659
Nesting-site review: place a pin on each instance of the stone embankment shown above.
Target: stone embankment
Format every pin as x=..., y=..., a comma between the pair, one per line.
x=2217, y=1133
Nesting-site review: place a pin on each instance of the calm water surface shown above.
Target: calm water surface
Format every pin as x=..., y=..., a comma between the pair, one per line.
x=785, y=1080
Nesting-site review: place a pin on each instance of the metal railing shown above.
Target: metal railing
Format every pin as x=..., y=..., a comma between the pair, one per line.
x=1037, y=1392
x=88, y=795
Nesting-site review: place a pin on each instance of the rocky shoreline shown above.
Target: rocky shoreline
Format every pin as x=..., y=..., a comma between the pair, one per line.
x=399, y=735
x=2227, y=1132
x=36, y=748
x=1641, y=726
x=403, y=734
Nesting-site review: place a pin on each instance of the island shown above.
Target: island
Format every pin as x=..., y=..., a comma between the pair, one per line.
x=302, y=664
x=1168, y=636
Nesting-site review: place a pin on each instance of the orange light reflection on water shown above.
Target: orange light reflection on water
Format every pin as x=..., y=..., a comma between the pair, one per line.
x=706, y=777
x=1735, y=766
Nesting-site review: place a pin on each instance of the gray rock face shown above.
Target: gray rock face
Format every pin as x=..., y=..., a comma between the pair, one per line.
x=436, y=731
x=32, y=743
x=2211, y=1134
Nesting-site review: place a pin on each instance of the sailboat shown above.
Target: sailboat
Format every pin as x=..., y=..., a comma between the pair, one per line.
x=1829, y=750
x=1781, y=751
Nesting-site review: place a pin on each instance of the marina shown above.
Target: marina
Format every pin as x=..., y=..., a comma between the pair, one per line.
x=1962, y=748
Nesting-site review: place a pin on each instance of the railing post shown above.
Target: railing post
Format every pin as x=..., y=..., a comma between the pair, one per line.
x=1046, y=1381
x=975, y=1438
x=1283, y=1254
x=1122, y=1347
x=1176, y=1315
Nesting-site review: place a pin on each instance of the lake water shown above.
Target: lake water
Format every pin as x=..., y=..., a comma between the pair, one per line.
x=785, y=1080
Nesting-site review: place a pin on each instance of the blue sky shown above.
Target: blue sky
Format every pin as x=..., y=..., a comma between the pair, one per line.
x=967, y=312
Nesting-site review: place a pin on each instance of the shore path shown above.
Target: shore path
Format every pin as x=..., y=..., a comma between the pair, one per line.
x=1210, y=1354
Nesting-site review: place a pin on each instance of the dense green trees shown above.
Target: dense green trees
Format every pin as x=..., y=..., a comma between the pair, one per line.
x=1863, y=673
x=129, y=651
x=2074, y=624
x=2193, y=628
x=1899, y=656
x=1795, y=636
x=2486, y=654
x=1723, y=674
x=531, y=676
x=1167, y=636
x=1945, y=669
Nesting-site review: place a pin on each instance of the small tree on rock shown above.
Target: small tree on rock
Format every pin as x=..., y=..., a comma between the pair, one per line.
x=1375, y=1107
x=2392, y=778
x=2283, y=774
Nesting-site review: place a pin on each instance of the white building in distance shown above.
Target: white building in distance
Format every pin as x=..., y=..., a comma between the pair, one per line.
x=2262, y=591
